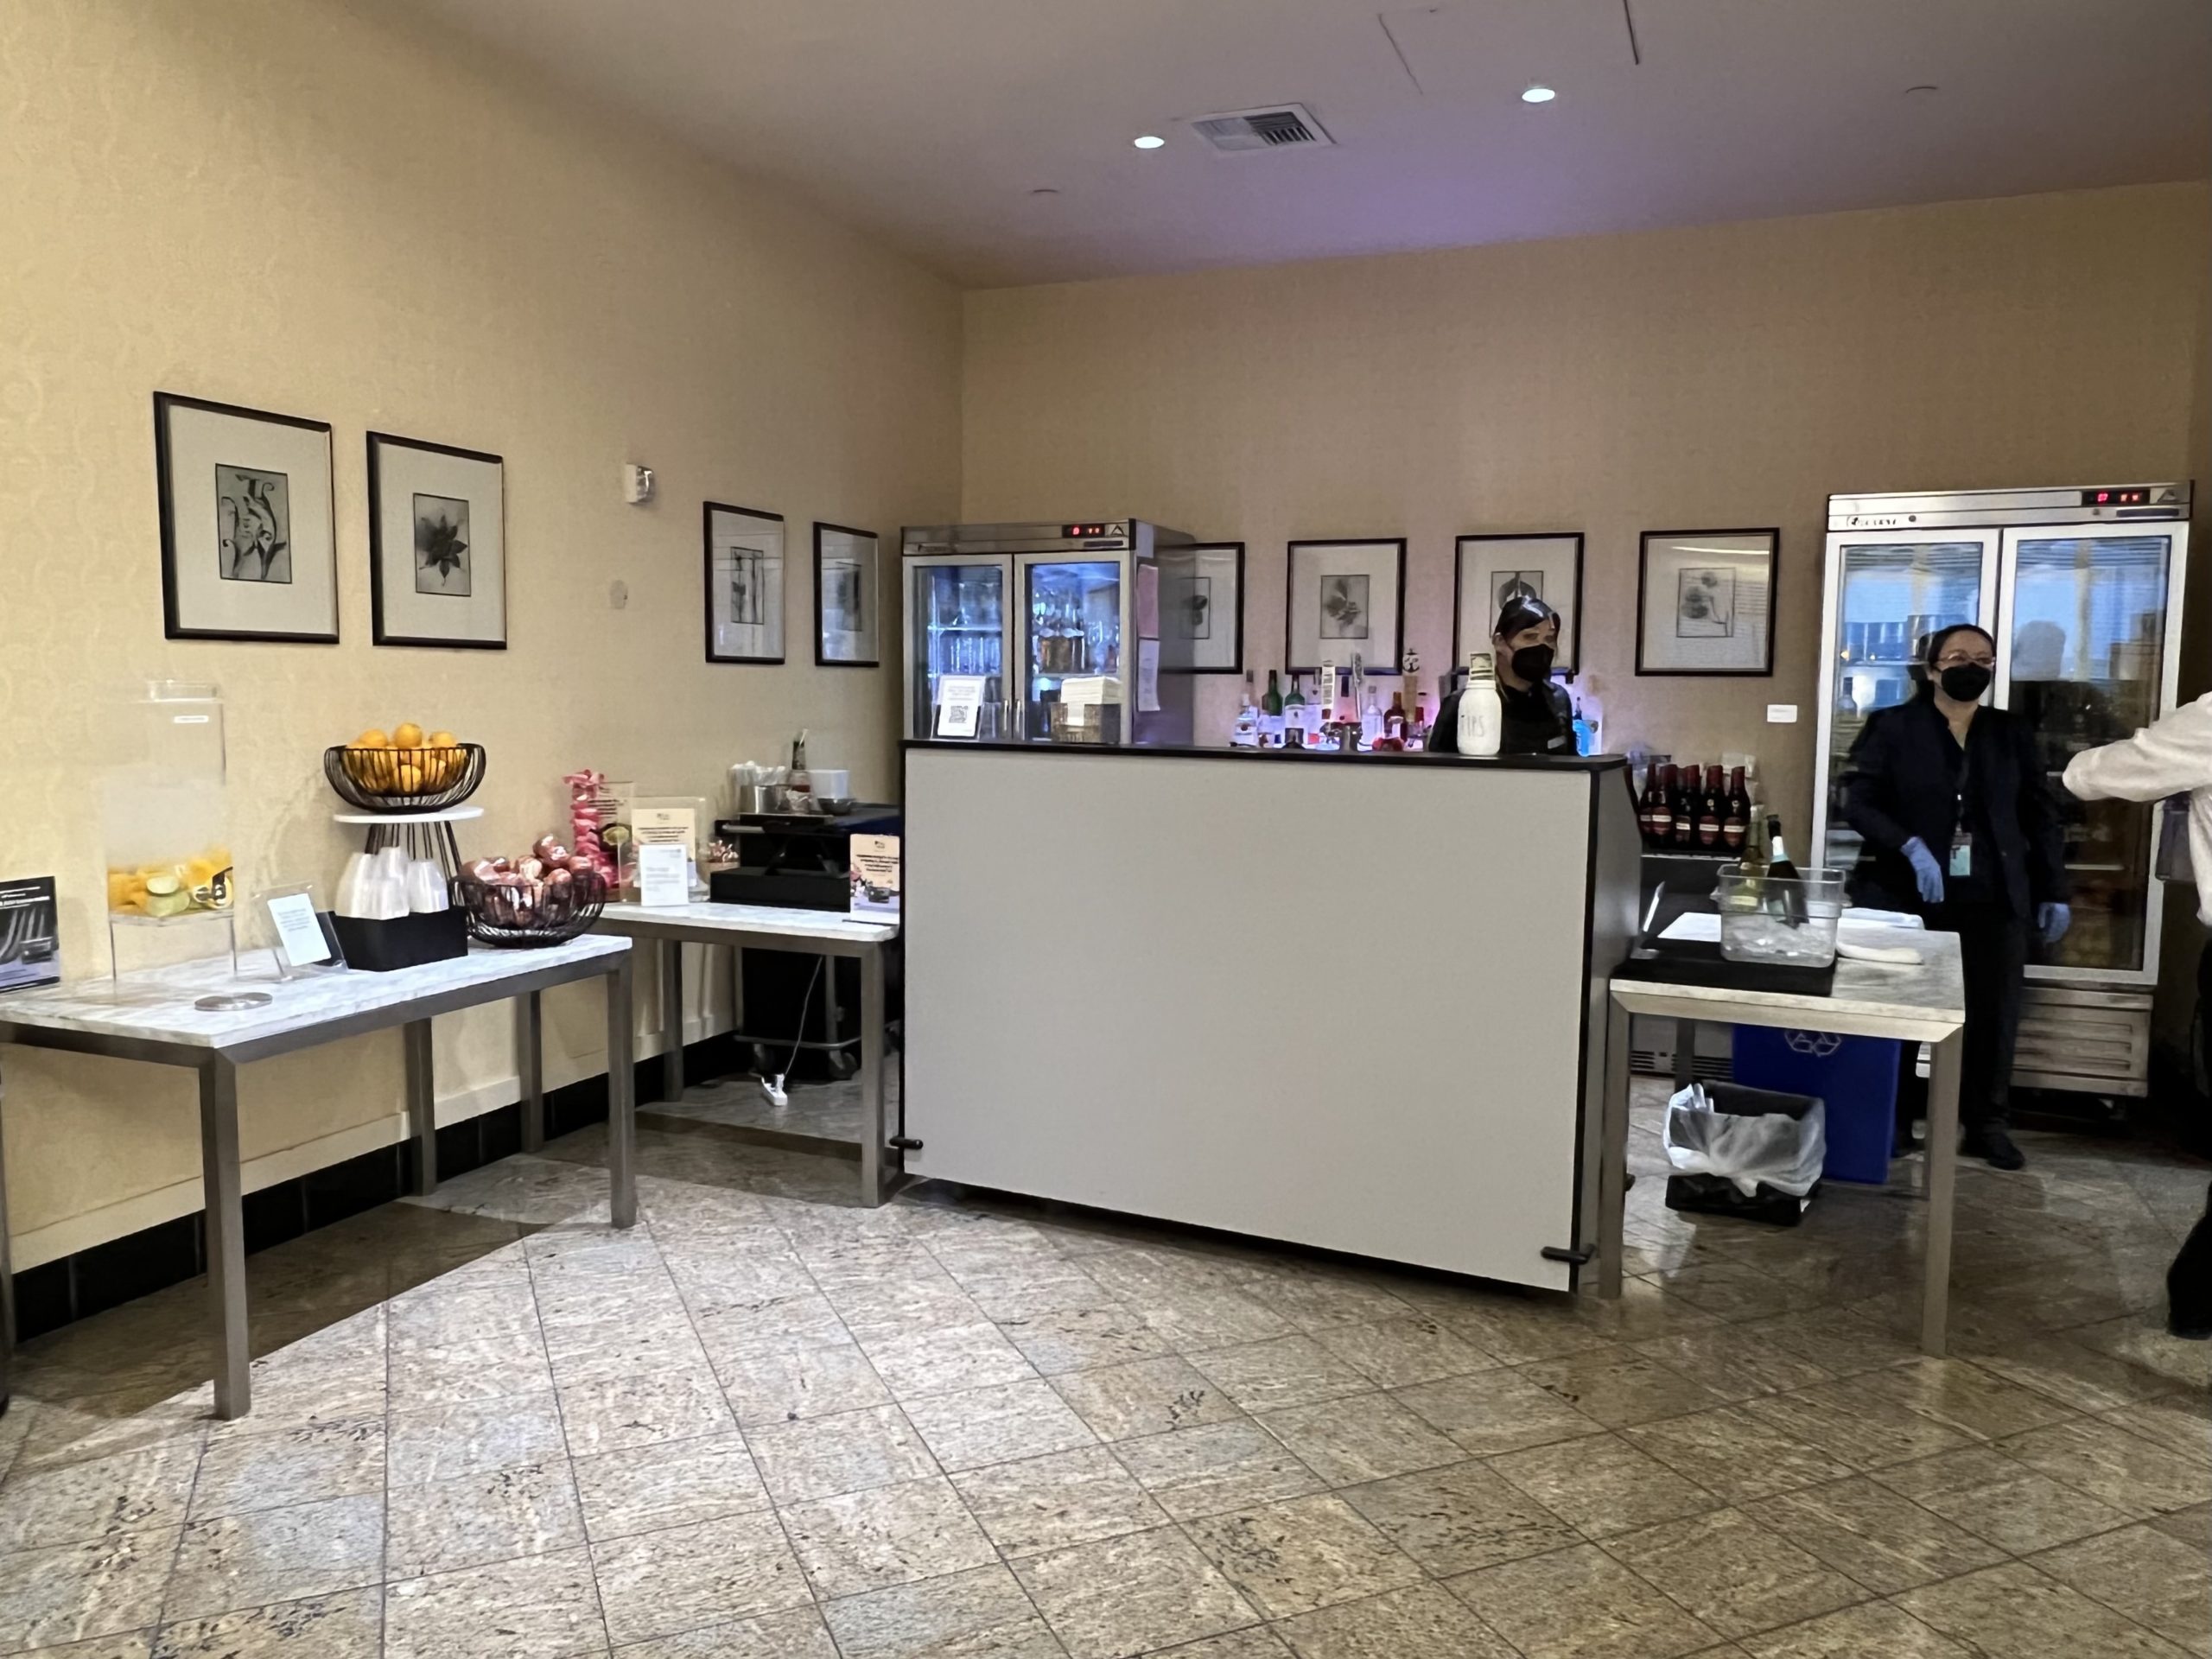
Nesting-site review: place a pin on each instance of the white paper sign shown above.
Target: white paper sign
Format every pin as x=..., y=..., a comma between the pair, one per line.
x=960, y=702
x=664, y=875
x=298, y=929
x=1147, y=676
x=875, y=875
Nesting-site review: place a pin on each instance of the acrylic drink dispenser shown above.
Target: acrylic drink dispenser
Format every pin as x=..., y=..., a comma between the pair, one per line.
x=163, y=813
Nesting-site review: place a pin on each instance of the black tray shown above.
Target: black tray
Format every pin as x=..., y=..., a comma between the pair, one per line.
x=1689, y=963
x=402, y=942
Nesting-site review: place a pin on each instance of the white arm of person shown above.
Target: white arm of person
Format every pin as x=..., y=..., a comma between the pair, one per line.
x=2171, y=755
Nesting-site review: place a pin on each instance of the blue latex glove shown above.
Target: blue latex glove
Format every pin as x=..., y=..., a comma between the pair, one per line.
x=2052, y=919
x=1925, y=870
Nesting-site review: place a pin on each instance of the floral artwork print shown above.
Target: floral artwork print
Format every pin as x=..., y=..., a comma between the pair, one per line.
x=442, y=546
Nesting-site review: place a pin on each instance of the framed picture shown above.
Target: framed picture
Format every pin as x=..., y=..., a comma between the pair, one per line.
x=247, y=548
x=1346, y=598
x=847, y=612
x=437, y=544
x=745, y=584
x=1494, y=569
x=1202, y=605
x=1705, y=601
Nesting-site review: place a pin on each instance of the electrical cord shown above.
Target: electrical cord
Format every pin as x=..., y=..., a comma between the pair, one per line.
x=774, y=1089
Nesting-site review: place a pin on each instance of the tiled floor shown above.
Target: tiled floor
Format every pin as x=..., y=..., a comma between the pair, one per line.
x=767, y=1423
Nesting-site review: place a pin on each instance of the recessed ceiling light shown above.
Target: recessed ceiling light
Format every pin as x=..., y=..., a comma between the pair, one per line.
x=1538, y=93
x=1045, y=190
x=1925, y=86
x=1149, y=141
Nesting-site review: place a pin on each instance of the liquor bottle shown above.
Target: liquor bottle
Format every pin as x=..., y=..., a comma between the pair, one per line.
x=1293, y=716
x=1712, y=810
x=1736, y=821
x=1393, y=717
x=1660, y=813
x=1372, y=718
x=1245, y=735
x=1786, y=892
x=1272, y=702
x=1482, y=716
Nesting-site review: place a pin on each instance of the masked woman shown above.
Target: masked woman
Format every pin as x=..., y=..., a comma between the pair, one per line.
x=1538, y=719
x=1959, y=827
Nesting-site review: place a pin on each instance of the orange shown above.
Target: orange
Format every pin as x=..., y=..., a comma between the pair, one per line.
x=373, y=738
x=407, y=736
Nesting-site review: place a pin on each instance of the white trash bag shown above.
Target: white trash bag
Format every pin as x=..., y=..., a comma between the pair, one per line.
x=1785, y=1152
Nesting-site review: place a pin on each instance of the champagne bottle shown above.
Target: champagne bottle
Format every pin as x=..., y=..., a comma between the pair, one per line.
x=1787, y=890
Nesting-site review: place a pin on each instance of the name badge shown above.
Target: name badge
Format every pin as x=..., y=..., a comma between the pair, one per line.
x=1962, y=853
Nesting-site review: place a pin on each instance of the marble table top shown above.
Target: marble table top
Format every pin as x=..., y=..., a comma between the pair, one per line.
x=751, y=918
x=1920, y=1003
x=154, y=1005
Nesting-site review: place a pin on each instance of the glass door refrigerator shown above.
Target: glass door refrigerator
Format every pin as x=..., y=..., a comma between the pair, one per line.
x=2081, y=590
x=1066, y=616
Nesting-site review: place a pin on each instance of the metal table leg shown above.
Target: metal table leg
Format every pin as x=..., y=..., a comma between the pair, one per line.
x=7, y=1284
x=671, y=1019
x=872, y=1113
x=220, y=1176
x=421, y=1104
x=530, y=1064
x=1942, y=1156
x=622, y=1096
x=1612, y=1153
x=1685, y=1053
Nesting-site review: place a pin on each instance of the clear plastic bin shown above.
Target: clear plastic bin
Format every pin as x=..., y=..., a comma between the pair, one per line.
x=1769, y=920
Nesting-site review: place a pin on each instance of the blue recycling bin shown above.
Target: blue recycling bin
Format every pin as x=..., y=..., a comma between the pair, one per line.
x=1856, y=1076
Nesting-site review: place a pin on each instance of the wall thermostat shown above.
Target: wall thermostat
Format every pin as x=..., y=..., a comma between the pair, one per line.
x=637, y=484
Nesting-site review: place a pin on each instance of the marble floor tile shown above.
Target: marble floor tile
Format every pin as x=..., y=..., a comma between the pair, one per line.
x=1873, y=1536
x=1962, y=1397
x=777, y=1385
x=1730, y=1291
x=1137, y=1593
x=1513, y=1330
x=68, y=1592
x=998, y=1424
x=1646, y=1308
x=982, y=1612
x=433, y=1442
x=673, y=1483
x=245, y=1560
x=1194, y=1320
x=2182, y=1423
x=796, y=1634
x=1396, y=1353
x=1369, y=1437
x=1294, y=1556
x=461, y=1371
x=1873, y=1629
x=1421, y=1619
x=1084, y=1338
x=133, y=1644
x=1734, y=1454
x=2137, y=1476
x=806, y=1320
x=1732, y=1573
x=1734, y=1360
x=1256, y=1642
x=1286, y=1371
x=1837, y=1340
x=821, y=1457
x=886, y=1535
x=1604, y=1487
x=1996, y=1497
x=1491, y=1412
x=591, y=1353
x=685, y=1578
x=1053, y=1503
x=1580, y=1603
x=525, y=1509
x=267, y=1472
x=1857, y=1430
x=1215, y=1467
x=531, y=1607
x=2016, y=1612
x=349, y=1625
x=298, y=1395
x=136, y=1490
x=2155, y=1579
x=1460, y=1519
x=1316, y=1298
x=616, y=1413
x=1618, y=1388
x=1024, y=1292
x=2191, y=1526
x=945, y=1359
x=441, y=1318
x=1146, y=1396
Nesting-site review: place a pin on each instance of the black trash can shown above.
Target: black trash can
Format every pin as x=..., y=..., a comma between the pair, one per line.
x=1716, y=1195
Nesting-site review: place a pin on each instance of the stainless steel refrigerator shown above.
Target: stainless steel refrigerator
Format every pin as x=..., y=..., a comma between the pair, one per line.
x=2080, y=587
x=1060, y=621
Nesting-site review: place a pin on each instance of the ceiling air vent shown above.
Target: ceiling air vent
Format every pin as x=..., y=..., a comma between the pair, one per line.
x=1237, y=132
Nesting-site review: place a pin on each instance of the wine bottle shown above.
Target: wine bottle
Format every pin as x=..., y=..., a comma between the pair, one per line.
x=1712, y=808
x=1736, y=821
x=1271, y=703
x=1685, y=805
x=1786, y=890
x=1660, y=815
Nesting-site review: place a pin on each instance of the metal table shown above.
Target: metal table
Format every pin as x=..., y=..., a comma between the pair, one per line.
x=1921, y=1004
x=823, y=932
x=150, y=1017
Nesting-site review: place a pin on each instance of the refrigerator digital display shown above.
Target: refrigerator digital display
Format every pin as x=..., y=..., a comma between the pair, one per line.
x=2132, y=495
x=1086, y=532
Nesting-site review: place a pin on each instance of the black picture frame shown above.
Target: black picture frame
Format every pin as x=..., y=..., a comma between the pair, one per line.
x=1290, y=608
x=173, y=624
x=1773, y=535
x=1459, y=646
x=1236, y=666
x=379, y=632
x=707, y=511
x=822, y=658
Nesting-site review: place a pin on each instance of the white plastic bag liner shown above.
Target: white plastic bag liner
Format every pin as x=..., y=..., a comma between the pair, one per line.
x=1786, y=1153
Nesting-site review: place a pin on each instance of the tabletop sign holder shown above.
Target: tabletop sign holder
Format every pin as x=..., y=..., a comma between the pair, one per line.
x=302, y=938
x=960, y=705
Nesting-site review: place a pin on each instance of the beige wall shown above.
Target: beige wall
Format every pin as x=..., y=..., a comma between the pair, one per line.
x=1726, y=376
x=299, y=206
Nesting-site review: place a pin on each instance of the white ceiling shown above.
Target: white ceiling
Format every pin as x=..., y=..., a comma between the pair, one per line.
x=930, y=122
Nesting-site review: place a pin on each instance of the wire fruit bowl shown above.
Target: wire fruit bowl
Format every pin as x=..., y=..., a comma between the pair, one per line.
x=523, y=914
x=404, y=780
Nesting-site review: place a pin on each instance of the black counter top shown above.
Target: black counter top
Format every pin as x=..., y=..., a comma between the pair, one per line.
x=1292, y=756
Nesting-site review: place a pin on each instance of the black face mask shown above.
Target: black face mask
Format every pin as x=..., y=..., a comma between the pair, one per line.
x=1533, y=663
x=1964, y=681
